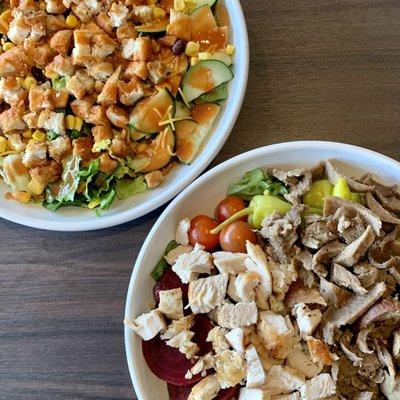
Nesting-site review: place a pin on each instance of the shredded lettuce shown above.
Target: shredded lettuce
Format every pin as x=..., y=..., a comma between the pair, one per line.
x=256, y=182
x=51, y=135
x=101, y=145
x=60, y=83
x=70, y=179
x=129, y=187
x=162, y=265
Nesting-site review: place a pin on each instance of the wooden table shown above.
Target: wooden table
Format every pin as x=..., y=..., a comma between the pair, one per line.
x=320, y=69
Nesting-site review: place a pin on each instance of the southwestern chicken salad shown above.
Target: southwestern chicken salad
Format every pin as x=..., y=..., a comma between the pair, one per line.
x=101, y=98
x=289, y=291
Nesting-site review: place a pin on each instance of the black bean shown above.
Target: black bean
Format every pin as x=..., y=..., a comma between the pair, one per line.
x=179, y=46
x=37, y=73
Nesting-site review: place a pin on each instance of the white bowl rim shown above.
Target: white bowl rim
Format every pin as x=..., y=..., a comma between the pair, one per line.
x=139, y=210
x=284, y=146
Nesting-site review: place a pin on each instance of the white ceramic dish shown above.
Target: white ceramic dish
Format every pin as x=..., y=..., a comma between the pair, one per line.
x=200, y=198
x=79, y=219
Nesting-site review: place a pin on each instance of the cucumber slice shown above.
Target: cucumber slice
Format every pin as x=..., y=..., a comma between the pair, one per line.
x=204, y=77
x=181, y=111
x=195, y=4
x=159, y=26
x=220, y=93
x=221, y=56
x=148, y=113
x=190, y=134
x=158, y=153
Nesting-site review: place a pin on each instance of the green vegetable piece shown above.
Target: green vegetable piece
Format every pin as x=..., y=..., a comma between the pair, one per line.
x=318, y=192
x=357, y=198
x=162, y=264
x=129, y=187
x=313, y=210
x=106, y=201
x=265, y=205
x=51, y=135
x=60, y=83
x=74, y=134
x=341, y=189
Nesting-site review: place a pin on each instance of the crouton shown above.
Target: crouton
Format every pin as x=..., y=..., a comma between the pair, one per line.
x=103, y=46
x=142, y=13
x=59, y=98
x=15, y=142
x=81, y=53
x=104, y=22
x=109, y=94
x=11, y=120
x=81, y=108
x=83, y=147
x=139, y=49
x=136, y=68
x=120, y=148
x=157, y=71
x=61, y=41
x=153, y=179
x=42, y=55
x=107, y=164
x=62, y=65
x=18, y=30
x=31, y=119
x=52, y=121
x=14, y=62
x=11, y=91
x=118, y=14
x=130, y=92
x=117, y=116
x=80, y=84
x=40, y=98
x=35, y=154
x=125, y=32
x=97, y=115
x=102, y=132
x=59, y=147
x=101, y=71
x=47, y=173
x=55, y=6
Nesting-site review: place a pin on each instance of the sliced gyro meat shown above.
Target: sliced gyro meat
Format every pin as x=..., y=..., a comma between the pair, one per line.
x=381, y=212
x=343, y=277
x=382, y=310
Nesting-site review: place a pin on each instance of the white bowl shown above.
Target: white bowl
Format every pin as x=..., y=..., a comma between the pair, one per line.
x=200, y=198
x=80, y=219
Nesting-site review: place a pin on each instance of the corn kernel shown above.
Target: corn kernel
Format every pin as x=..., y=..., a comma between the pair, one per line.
x=71, y=21
x=93, y=204
x=179, y=5
x=193, y=61
x=29, y=81
x=78, y=123
x=19, y=80
x=39, y=136
x=204, y=55
x=158, y=13
x=22, y=197
x=27, y=134
x=6, y=15
x=8, y=46
x=42, y=6
x=192, y=49
x=3, y=144
x=51, y=74
x=141, y=147
x=70, y=121
x=151, y=2
x=34, y=187
x=230, y=49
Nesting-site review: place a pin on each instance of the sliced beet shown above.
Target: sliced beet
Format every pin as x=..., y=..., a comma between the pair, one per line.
x=168, y=363
x=182, y=392
x=170, y=280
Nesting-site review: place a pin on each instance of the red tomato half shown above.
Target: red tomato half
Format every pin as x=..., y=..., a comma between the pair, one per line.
x=199, y=232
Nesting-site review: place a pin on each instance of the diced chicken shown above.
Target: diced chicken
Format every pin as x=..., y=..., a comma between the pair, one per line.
x=11, y=120
x=118, y=14
x=276, y=333
x=40, y=98
x=183, y=342
x=291, y=396
x=97, y=116
x=230, y=263
x=257, y=262
x=301, y=361
x=179, y=25
x=236, y=315
x=202, y=365
x=206, y=389
x=283, y=274
x=230, y=368
x=307, y=320
x=101, y=71
x=319, y=351
x=148, y=325
x=107, y=164
x=255, y=371
x=55, y=6
x=35, y=154
x=59, y=147
x=126, y=31
x=80, y=84
x=153, y=179
x=176, y=327
x=301, y=294
x=120, y=148
x=62, y=65
x=52, y=121
x=109, y=93
x=182, y=230
x=157, y=71
x=207, y=293
x=117, y=116
x=171, y=304
x=217, y=337
x=139, y=49
x=12, y=92
x=319, y=387
x=18, y=30
x=281, y=379
x=81, y=53
x=47, y=173
x=31, y=119
x=136, y=69
x=189, y=265
x=103, y=46
x=343, y=277
x=61, y=41
x=142, y=13
x=236, y=338
x=243, y=286
x=130, y=92
x=173, y=255
x=254, y=394
x=81, y=108
x=333, y=295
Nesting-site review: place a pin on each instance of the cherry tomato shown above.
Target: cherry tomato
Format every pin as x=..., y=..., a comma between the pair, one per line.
x=227, y=207
x=233, y=237
x=199, y=232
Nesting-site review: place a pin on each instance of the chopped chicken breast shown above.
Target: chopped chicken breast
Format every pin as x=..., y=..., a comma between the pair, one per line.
x=148, y=325
x=281, y=379
x=319, y=387
x=171, y=304
x=255, y=369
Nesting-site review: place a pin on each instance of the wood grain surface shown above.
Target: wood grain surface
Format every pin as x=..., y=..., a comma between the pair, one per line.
x=320, y=69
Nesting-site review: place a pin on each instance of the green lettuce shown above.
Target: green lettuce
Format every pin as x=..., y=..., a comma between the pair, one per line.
x=162, y=265
x=129, y=187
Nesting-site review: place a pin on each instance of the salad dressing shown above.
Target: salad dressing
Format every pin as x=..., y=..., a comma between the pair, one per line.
x=203, y=79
